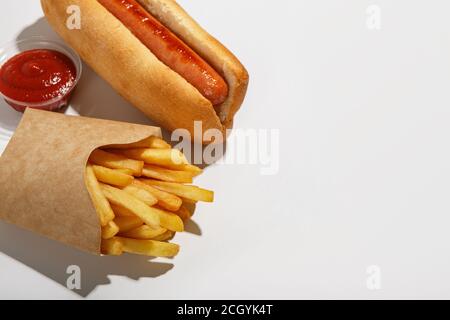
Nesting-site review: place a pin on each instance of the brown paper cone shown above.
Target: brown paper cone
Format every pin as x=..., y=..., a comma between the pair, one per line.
x=42, y=185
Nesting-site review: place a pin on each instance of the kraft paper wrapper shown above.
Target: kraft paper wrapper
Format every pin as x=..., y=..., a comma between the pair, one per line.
x=42, y=186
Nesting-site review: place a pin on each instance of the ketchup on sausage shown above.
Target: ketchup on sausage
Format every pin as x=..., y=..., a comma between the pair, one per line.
x=38, y=75
x=169, y=49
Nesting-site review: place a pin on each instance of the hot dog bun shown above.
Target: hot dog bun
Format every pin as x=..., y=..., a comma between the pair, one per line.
x=134, y=71
x=169, y=48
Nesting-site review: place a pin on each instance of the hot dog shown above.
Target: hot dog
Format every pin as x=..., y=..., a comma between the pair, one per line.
x=169, y=48
x=157, y=57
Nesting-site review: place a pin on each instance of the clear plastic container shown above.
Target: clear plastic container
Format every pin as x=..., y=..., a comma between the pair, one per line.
x=14, y=48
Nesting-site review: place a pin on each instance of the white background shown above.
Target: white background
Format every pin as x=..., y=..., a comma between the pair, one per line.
x=364, y=163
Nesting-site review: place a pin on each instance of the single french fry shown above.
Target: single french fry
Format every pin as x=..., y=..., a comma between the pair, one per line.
x=125, y=171
x=191, y=168
x=166, y=236
x=166, y=200
x=158, y=173
x=189, y=192
x=110, y=230
x=121, y=211
x=116, y=161
x=170, y=220
x=143, y=232
x=170, y=158
x=150, y=142
x=126, y=224
x=99, y=201
x=141, y=194
x=111, y=176
x=149, y=247
x=139, y=208
x=112, y=247
x=157, y=143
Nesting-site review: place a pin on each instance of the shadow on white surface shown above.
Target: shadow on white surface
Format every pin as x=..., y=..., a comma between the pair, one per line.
x=192, y=227
x=52, y=258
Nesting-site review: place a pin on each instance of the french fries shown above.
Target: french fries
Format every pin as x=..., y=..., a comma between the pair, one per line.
x=149, y=247
x=125, y=224
x=170, y=158
x=139, y=208
x=143, y=232
x=140, y=215
x=190, y=168
x=166, y=236
x=101, y=205
x=113, y=177
x=166, y=200
x=141, y=194
x=110, y=230
x=112, y=247
x=181, y=190
x=125, y=171
x=155, y=172
x=121, y=211
x=170, y=220
x=167, y=220
x=156, y=143
x=115, y=161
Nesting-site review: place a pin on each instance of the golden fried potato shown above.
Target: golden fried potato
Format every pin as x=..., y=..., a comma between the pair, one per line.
x=141, y=194
x=112, y=247
x=158, y=173
x=170, y=158
x=115, y=161
x=144, y=232
x=100, y=202
x=111, y=176
x=149, y=247
x=126, y=224
x=136, y=206
x=189, y=192
x=166, y=200
x=110, y=230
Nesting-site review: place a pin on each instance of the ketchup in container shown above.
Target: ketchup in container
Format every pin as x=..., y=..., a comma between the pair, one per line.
x=38, y=78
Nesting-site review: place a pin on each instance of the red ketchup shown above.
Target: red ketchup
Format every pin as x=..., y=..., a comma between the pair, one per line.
x=40, y=78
